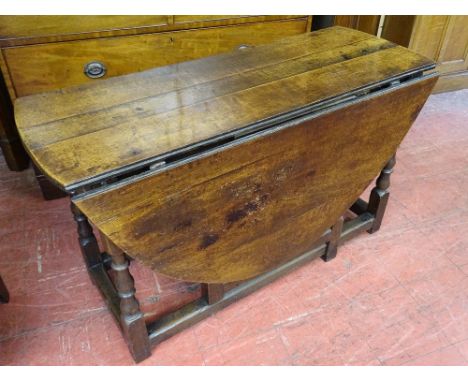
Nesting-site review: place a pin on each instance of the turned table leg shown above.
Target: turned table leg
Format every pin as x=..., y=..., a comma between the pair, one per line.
x=379, y=195
x=332, y=246
x=4, y=295
x=131, y=318
x=88, y=243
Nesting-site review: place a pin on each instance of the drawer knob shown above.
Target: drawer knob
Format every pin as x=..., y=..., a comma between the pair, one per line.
x=95, y=69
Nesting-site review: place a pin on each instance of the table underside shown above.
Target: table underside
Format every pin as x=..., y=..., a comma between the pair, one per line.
x=361, y=216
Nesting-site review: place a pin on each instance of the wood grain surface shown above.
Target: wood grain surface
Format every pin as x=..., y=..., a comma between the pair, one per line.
x=44, y=67
x=242, y=211
x=112, y=92
x=29, y=30
x=81, y=132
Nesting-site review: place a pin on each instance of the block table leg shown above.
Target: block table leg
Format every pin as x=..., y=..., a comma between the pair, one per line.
x=379, y=195
x=131, y=318
x=4, y=295
x=213, y=292
x=48, y=189
x=332, y=246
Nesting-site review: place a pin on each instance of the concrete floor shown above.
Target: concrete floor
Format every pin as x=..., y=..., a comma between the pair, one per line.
x=398, y=297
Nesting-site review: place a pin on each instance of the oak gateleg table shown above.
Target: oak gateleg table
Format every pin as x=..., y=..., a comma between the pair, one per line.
x=228, y=171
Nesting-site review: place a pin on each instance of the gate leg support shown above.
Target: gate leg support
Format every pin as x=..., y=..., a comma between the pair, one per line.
x=379, y=195
x=88, y=243
x=332, y=246
x=131, y=318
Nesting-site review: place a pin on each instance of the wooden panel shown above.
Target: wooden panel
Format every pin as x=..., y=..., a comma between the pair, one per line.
x=398, y=29
x=347, y=21
x=39, y=68
x=454, y=48
x=208, y=20
x=27, y=30
x=457, y=35
x=33, y=26
x=193, y=18
x=364, y=23
x=369, y=23
x=164, y=121
x=442, y=38
x=427, y=35
x=231, y=215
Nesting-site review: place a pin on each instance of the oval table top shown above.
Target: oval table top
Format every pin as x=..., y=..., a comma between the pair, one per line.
x=219, y=169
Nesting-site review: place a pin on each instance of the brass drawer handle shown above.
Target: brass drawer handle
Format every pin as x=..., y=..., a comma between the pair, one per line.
x=95, y=69
x=243, y=46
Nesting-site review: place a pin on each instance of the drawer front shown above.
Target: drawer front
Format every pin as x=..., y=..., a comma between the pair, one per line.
x=228, y=19
x=39, y=68
x=35, y=26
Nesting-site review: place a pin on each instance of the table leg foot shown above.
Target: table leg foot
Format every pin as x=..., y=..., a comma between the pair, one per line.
x=4, y=295
x=332, y=246
x=212, y=292
x=379, y=195
x=131, y=318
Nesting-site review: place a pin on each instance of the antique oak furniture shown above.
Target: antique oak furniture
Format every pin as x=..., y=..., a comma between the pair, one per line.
x=43, y=53
x=229, y=170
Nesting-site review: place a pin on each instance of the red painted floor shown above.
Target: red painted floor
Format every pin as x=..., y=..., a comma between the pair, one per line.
x=398, y=297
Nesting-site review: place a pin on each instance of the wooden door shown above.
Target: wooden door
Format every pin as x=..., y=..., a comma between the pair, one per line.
x=441, y=38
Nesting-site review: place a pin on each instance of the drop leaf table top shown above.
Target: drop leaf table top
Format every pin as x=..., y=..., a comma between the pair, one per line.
x=81, y=133
x=229, y=169
x=205, y=170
